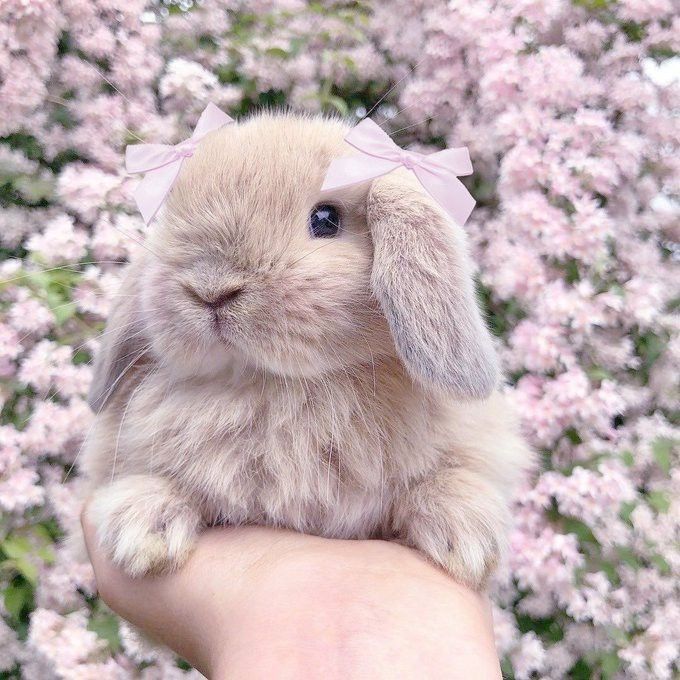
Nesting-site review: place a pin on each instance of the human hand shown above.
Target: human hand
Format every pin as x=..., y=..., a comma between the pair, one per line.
x=256, y=602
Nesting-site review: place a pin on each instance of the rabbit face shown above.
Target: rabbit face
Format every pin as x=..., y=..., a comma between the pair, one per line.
x=252, y=267
x=252, y=263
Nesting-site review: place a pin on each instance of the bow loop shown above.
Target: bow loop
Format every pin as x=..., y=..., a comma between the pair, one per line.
x=457, y=160
x=378, y=155
x=211, y=119
x=147, y=157
x=162, y=162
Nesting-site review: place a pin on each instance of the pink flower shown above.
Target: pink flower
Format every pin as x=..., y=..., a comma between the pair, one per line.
x=30, y=317
x=20, y=489
x=10, y=349
x=116, y=237
x=59, y=242
x=83, y=189
x=529, y=658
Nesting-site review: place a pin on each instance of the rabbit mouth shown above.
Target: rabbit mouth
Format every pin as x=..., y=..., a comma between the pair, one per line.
x=219, y=329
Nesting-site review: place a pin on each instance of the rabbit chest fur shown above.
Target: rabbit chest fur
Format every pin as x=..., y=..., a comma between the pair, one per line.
x=326, y=457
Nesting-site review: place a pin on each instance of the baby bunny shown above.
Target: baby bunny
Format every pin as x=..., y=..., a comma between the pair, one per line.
x=300, y=359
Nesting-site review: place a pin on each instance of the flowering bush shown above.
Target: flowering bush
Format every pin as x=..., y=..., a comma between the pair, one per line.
x=567, y=107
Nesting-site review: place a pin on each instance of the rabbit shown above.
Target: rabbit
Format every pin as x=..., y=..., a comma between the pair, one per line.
x=311, y=361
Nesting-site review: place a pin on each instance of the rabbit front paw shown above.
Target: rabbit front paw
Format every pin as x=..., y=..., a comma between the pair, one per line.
x=459, y=521
x=143, y=525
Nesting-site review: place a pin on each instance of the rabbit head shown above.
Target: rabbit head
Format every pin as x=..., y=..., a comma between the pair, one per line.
x=251, y=264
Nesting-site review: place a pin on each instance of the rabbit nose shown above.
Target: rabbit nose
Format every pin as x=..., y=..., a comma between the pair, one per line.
x=217, y=299
x=224, y=297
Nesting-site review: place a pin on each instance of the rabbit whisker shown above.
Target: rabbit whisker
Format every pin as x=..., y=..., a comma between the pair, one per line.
x=407, y=127
x=70, y=266
x=401, y=80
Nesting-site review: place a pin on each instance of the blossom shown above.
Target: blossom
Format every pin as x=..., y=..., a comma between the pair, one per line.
x=115, y=236
x=529, y=658
x=187, y=83
x=10, y=649
x=48, y=367
x=10, y=349
x=56, y=429
x=17, y=223
x=83, y=189
x=19, y=482
x=62, y=643
x=30, y=317
x=60, y=241
x=20, y=490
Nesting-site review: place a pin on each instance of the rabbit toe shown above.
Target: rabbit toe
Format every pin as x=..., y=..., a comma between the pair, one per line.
x=143, y=526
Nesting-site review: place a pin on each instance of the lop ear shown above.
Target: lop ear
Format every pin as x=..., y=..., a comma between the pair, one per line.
x=422, y=278
x=123, y=342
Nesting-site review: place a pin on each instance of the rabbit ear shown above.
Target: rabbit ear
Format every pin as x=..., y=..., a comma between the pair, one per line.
x=123, y=343
x=422, y=278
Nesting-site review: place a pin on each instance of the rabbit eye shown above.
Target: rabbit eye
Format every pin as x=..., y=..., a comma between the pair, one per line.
x=324, y=221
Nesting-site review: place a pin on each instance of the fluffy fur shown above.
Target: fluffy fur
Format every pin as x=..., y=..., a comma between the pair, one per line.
x=251, y=373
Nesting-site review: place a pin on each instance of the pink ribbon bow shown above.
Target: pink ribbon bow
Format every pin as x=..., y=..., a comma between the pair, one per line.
x=162, y=162
x=437, y=172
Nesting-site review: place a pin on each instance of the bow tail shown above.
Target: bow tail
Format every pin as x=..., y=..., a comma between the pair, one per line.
x=448, y=191
x=152, y=190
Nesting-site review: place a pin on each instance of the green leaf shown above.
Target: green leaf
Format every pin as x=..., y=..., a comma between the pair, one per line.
x=659, y=501
x=634, y=32
x=81, y=356
x=662, y=449
x=22, y=549
x=46, y=554
x=626, y=511
x=277, y=53
x=507, y=670
x=337, y=103
x=592, y=5
x=27, y=569
x=16, y=547
x=610, y=665
x=597, y=373
x=627, y=556
x=660, y=563
x=18, y=596
x=581, y=671
x=583, y=532
x=42, y=533
x=36, y=279
x=34, y=189
x=627, y=458
x=610, y=570
x=573, y=436
x=64, y=312
x=105, y=625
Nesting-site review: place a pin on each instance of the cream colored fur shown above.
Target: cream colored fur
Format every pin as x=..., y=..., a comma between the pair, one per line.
x=349, y=391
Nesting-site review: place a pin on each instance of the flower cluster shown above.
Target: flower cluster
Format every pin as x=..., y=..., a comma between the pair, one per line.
x=568, y=109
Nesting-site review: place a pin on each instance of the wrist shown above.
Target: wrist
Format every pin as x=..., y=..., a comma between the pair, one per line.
x=375, y=609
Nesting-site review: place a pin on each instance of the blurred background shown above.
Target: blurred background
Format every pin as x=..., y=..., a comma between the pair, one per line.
x=569, y=109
